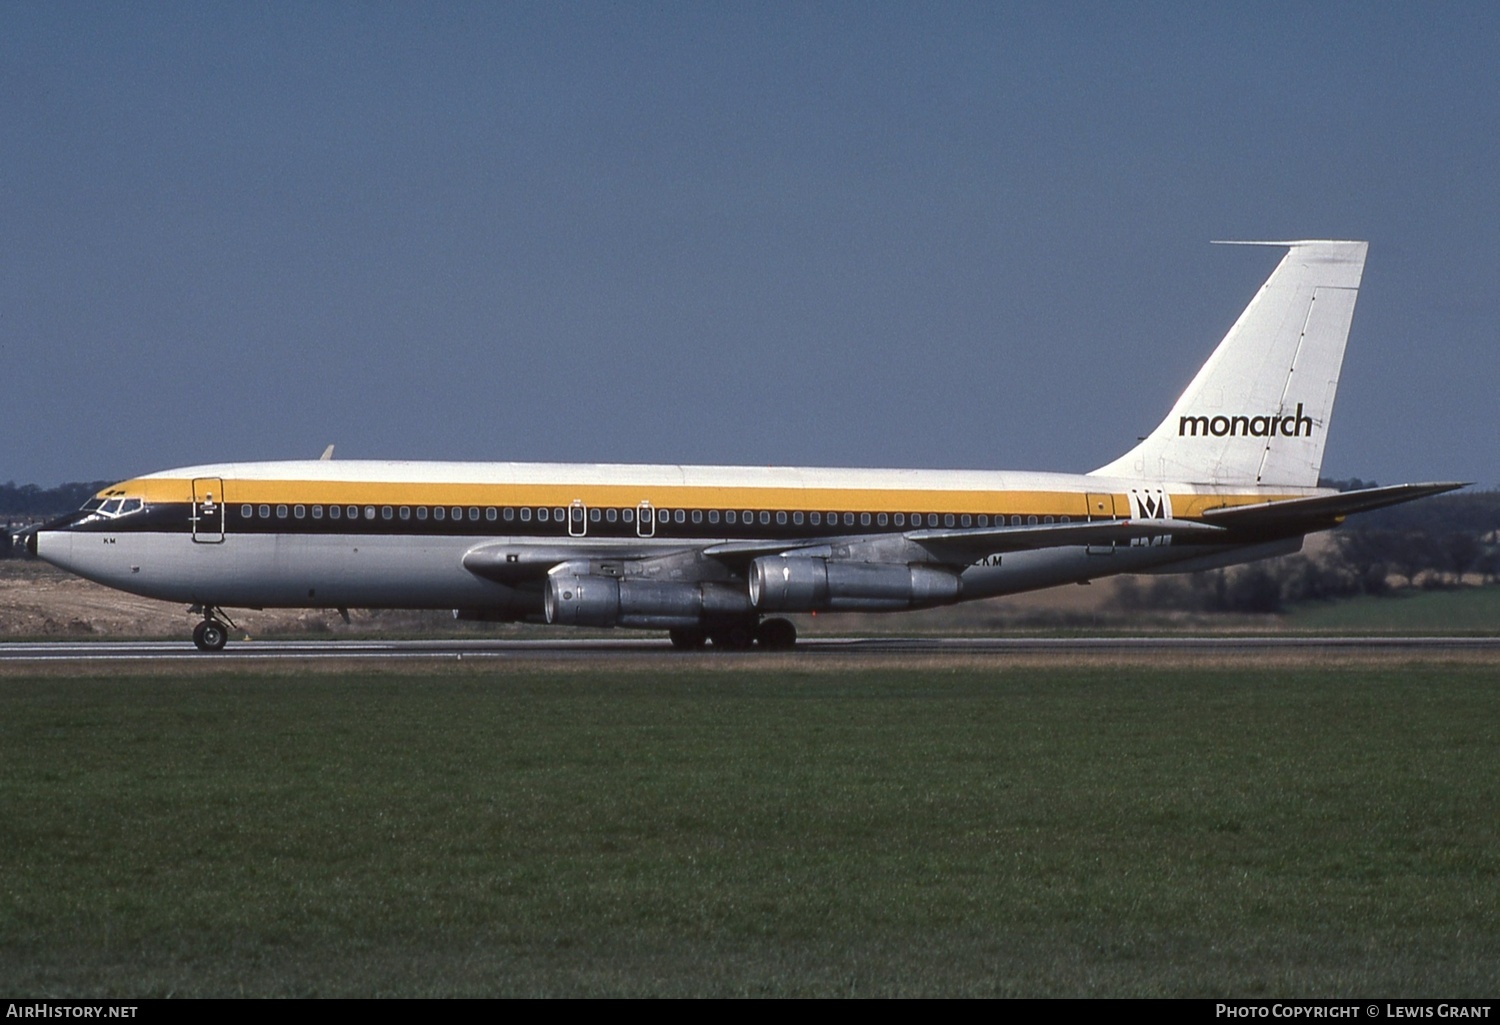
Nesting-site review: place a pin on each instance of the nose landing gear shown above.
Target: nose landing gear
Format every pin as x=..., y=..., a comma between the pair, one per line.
x=211, y=634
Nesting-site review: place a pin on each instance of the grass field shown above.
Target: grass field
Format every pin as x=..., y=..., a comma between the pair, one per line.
x=1462, y=610
x=1107, y=830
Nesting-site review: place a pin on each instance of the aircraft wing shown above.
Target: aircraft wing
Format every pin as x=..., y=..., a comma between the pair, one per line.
x=1320, y=511
x=992, y=539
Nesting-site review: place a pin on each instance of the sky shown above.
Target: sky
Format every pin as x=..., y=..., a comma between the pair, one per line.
x=876, y=234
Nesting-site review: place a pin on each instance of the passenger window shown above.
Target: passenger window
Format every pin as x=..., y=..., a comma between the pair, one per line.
x=947, y=519
x=265, y=512
x=780, y=519
x=697, y=515
x=662, y=515
x=1046, y=519
x=864, y=519
x=1067, y=519
x=386, y=512
x=317, y=512
x=1015, y=521
x=731, y=516
x=247, y=511
x=747, y=517
x=352, y=512
x=594, y=514
x=932, y=520
x=713, y=516
x=765, y=518
x=405, y=512
x=474, y=513
x=543, y=515
x=984, y=521
x=900, y=519
x=299, y=511
x=848, y=519
x=680, y=516
x=1031, y=521
x=627, y=515
x=965, y=520
x=611, y=515
x=510, y=513
x=281, y=512
x=335, y=511
x=797, y=519
x=882, y=520
x=559, y=515
x=369, y=512
x=421, y=512
x=458, y=513
x=816, y=519
x=439, y=513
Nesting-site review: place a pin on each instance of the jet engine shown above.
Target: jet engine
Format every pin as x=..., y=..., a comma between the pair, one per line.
x=780, y=583
x=587, y=599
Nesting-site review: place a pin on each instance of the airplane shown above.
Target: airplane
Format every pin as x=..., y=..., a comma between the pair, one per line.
x=722, y=554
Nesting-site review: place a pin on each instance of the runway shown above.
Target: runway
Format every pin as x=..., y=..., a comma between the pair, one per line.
x=615, y=649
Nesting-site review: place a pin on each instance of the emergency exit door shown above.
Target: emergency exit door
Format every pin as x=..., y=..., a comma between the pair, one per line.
x=1101, y=508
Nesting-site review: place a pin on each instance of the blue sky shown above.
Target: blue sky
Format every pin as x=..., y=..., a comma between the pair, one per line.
x=876, y=234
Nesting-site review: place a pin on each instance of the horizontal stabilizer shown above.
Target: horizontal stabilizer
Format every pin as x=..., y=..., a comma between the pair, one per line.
x=1320, y=511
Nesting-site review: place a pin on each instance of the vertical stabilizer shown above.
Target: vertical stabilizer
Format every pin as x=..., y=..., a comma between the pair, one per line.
x=1258, y=411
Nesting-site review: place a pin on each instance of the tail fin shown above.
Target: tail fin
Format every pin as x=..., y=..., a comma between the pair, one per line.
x=1258, y=411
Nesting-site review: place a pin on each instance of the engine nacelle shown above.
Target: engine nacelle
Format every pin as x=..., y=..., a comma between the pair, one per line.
x=585, y=599
x=782, y=584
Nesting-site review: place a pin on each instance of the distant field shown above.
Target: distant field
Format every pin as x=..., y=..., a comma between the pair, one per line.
x=1467, y=610
x=1122, y=829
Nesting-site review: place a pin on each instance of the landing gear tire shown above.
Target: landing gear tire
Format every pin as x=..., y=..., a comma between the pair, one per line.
x=733, y=638
x=687, y=638
x=210, y=635
x=776, y=635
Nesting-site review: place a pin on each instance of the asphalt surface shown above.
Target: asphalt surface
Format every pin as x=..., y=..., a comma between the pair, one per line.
x=613, y=648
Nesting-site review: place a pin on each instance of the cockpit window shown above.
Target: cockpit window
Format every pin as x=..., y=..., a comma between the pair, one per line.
x=111, y=508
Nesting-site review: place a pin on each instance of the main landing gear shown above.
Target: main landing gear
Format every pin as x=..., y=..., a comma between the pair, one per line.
x=211, y=634
x=773, y=635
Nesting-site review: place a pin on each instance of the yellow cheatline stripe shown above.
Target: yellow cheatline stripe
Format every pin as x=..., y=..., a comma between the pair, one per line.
x=622, y=496
x=1024, y=503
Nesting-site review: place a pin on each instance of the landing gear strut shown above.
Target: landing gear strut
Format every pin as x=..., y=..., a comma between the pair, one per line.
x=772, y=635
x=211, y=634
x=688, y=638
x=776, y=635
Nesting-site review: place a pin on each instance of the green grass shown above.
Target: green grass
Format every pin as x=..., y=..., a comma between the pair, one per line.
x=1463, y=610
x=1014, y=831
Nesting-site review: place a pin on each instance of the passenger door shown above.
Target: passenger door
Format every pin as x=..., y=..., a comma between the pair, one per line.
x=208, y=510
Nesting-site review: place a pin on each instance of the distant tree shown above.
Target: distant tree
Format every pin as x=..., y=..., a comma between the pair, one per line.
x=32, y=501
x=1367, y=555
x=1489, y=564
x=1460, y=550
